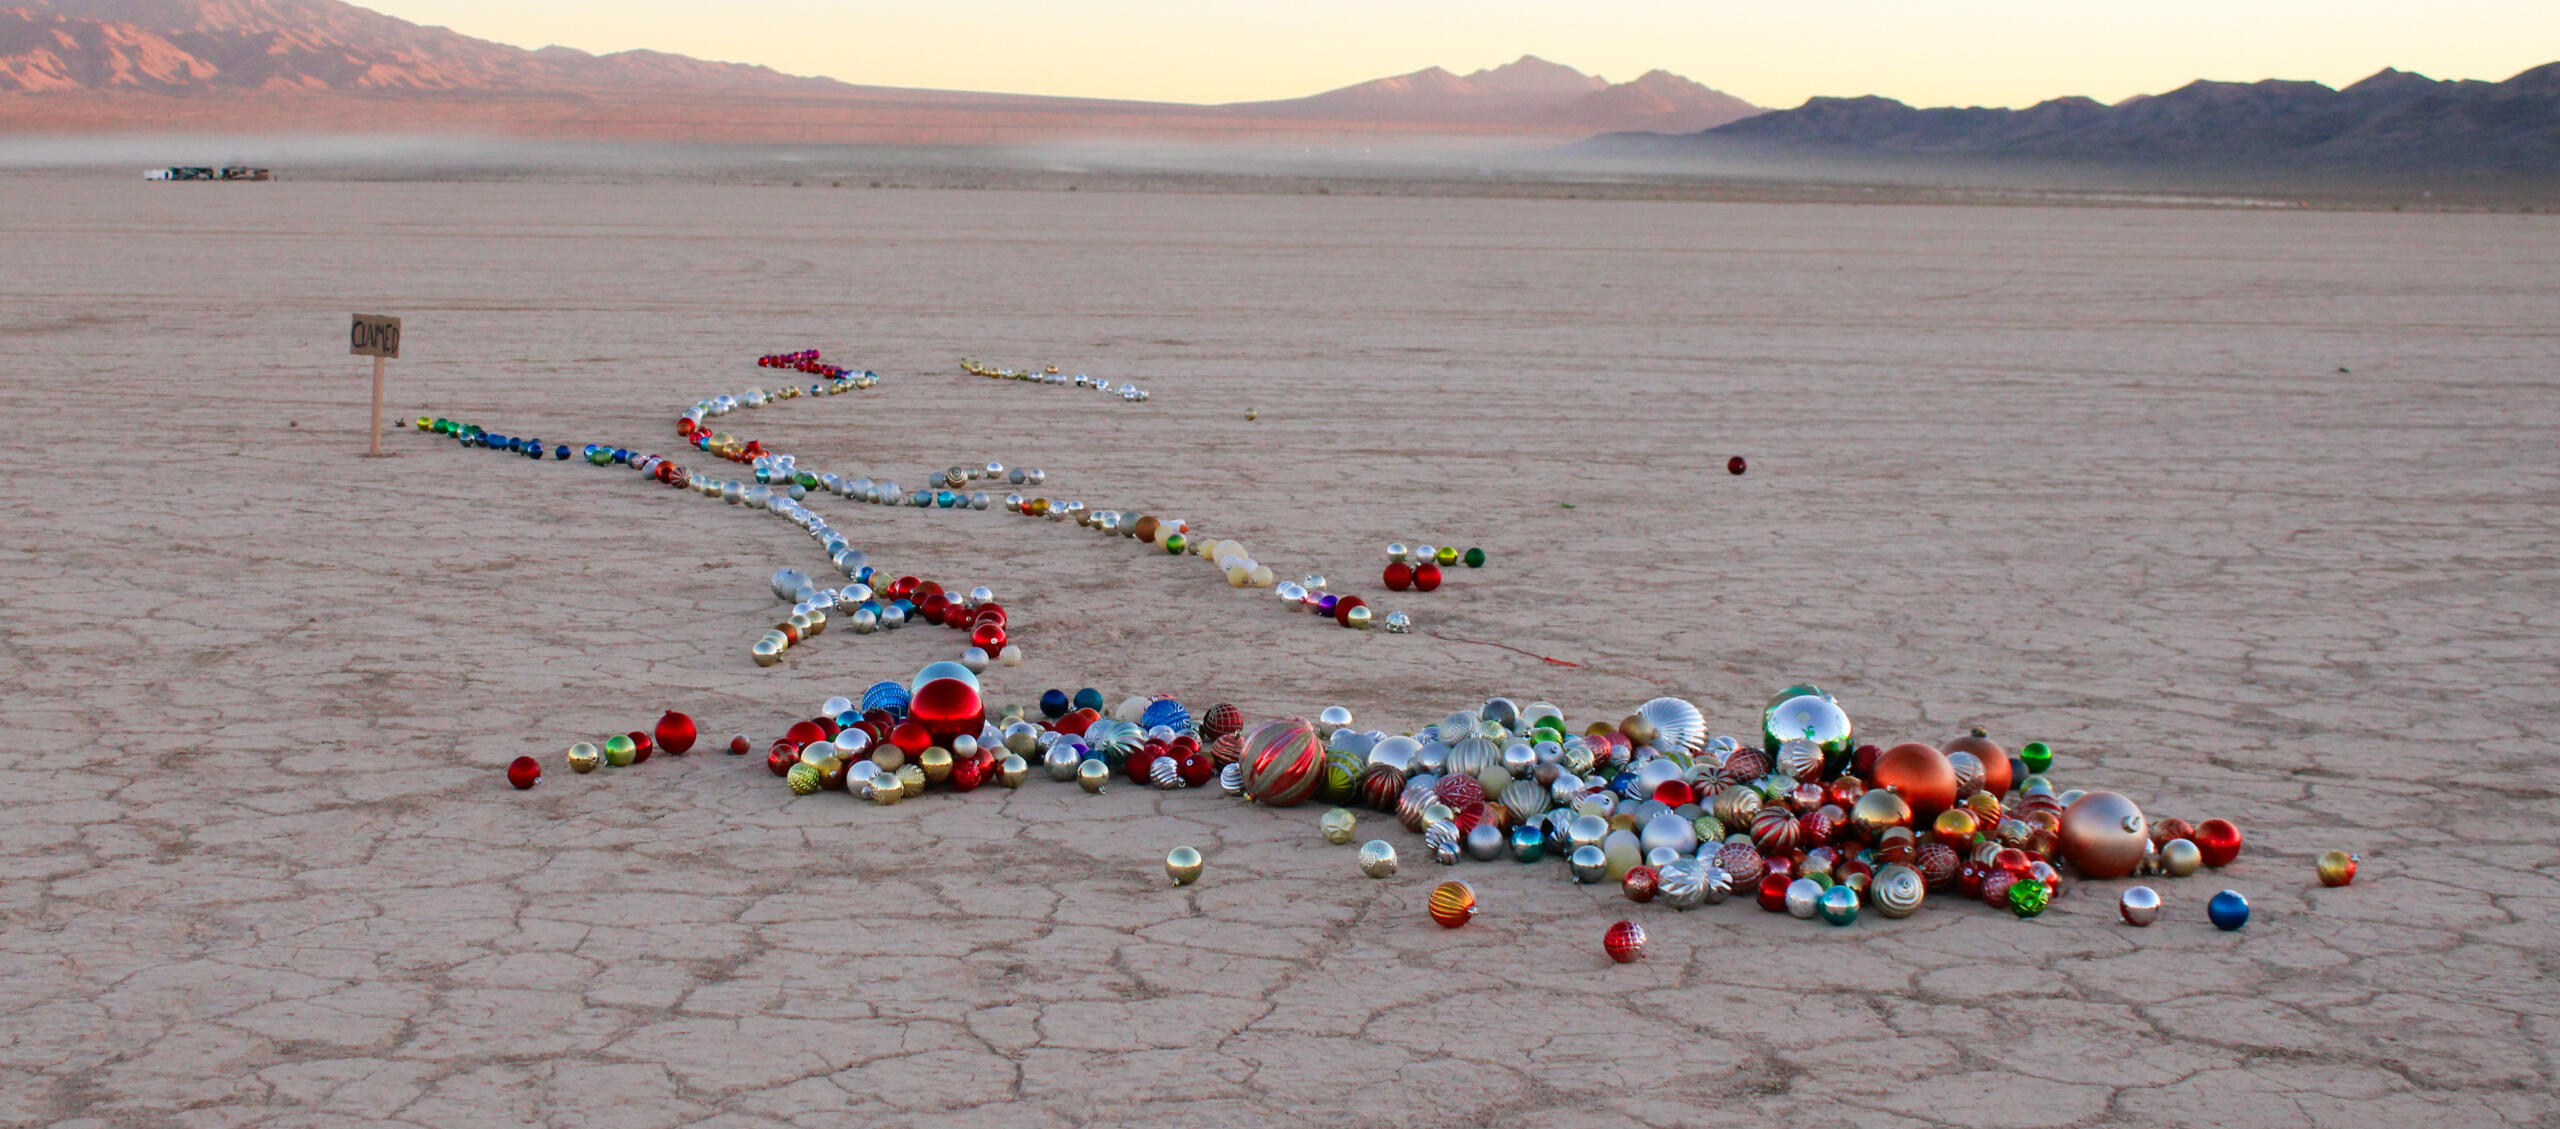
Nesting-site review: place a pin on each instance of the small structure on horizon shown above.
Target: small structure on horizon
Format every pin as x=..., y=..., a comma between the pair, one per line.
x=199, y=172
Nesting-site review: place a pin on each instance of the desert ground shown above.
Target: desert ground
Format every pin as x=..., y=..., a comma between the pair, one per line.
x=2250, y=514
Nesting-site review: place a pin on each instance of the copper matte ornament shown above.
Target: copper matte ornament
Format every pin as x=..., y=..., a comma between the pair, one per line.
x=2104, y=836
x=1920, y=774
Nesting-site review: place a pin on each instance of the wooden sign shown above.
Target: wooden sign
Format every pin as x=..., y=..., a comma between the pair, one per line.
x=377, y=337
x=374, y=336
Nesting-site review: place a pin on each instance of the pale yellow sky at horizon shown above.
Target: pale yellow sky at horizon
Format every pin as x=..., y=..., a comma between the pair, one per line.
x=1965, y=52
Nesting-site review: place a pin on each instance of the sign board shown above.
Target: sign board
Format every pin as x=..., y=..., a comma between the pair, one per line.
x=374, y=336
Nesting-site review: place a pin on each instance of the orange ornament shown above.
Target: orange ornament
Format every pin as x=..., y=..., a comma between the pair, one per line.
x=1995, y=760
x=1921, y=775
x=2104, y=835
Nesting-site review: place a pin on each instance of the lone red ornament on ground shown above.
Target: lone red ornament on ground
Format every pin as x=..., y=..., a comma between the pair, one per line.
x=1736, y=465
x=1624, y=942
x=676, y=734
x=738, y=745
x=524, y=772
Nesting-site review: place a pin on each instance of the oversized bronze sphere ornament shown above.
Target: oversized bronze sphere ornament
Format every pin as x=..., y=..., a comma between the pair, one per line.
x=2104, y=835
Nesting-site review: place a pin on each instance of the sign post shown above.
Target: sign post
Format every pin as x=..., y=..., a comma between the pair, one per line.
x=377, y=337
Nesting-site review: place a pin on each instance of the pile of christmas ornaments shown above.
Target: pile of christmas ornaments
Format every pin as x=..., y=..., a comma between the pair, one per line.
x=674, y=735
x=1803, y=820
x=1050, y=375
x=806, y=361
x=934, y=730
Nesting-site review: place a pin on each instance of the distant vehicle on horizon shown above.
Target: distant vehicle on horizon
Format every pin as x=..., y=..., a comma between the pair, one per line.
x=199, y=172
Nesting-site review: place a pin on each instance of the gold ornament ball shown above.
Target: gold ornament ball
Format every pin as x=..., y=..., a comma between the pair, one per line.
x=936, y=764
x=1092, y=775
x=1012, y=770
x=911, y=780
x=583, y=758
x=1182, y=864
x=2181, y=857
x=886, y=790
x=2337, y=868
x=1338, y=826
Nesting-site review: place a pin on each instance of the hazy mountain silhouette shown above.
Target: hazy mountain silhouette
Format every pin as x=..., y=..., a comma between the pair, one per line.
x=2392, y=122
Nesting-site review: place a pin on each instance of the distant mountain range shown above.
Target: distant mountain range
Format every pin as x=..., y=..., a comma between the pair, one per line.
x=2393, y=122
x=256, y=64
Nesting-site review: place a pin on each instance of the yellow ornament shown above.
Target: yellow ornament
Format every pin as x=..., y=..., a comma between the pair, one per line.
x=804, y=778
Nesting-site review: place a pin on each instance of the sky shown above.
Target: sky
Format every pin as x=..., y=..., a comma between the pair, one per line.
x=1772, y=52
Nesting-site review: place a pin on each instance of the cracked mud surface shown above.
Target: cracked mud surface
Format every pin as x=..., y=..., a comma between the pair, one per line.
x=2086, y=476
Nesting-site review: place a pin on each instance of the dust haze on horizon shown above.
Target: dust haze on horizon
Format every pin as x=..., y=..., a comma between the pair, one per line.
x=1960, y=52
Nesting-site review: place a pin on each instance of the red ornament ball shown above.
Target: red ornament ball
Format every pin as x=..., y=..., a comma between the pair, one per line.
x=781, y=757
x=1736, y=465
x=988, y=637
x=1641, y=883
x=1773, y=890
x=738, y=745
x=911, y=737
x=676, y=733
x=641, y=746
x=1197, y=768
x=1342, y=609
x=1624, y=942
x=947, y=707
x=1426, y=578
x=2219, y=841
x=804, y=732
x=1399, y=576
x=524, y=772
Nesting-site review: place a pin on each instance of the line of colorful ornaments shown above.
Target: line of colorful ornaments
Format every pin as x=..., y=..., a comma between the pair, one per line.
x=1049, y=375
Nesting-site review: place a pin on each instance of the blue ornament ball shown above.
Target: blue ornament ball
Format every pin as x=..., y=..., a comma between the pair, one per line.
x=2228, y=910
x=1053, y=705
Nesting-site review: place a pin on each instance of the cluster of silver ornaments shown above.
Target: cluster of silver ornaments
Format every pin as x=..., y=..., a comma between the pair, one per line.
x=1049, y=375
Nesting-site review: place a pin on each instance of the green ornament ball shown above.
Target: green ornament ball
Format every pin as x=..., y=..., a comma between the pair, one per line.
x=1175, y=543
x=2028, y=898
x=619, y=751
x=2038, y=755
x=1475, y=558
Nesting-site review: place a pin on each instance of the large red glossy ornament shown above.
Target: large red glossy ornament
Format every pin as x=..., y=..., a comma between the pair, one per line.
x=948, y=708
x=2218, y=840
x=933, y=608
x=524, y=772
x=1920, y=774
x=1674, y=793
x=1426, y=578
x=675, y=733
x=804, y=732
x=1399, y=576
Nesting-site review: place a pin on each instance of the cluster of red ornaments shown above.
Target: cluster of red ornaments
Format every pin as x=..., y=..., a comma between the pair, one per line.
x=806, y=360
x=1420, y=578
x=985, y=623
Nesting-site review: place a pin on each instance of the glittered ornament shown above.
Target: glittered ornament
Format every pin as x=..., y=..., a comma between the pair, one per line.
x=804, y=778
x=1640, y=883
x=2336, y=868
x=1453, y=904
x=2139, y=906
x=1182, y=865
x=2228, y=910
x=525, y=772
x=1624, y=942
x=2027, y=899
